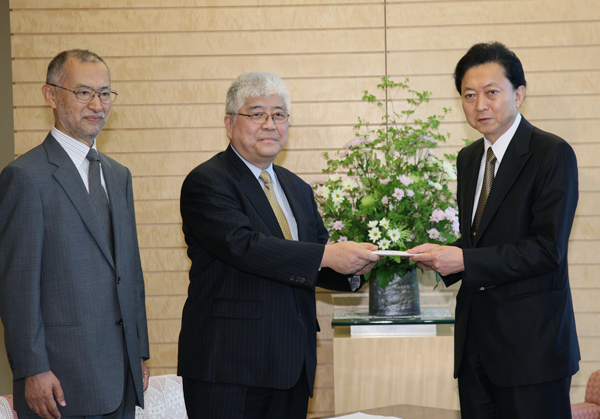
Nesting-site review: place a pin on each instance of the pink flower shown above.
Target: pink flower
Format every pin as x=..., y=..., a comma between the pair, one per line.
x=337, y=225
x=455, y=227
x=405, y=180
x=451, y=214
x=385, y=200
x=437, y=216
x=433, y=234
x=385, y=181
x=398, y=194
x=410, y=193
x=343, y=239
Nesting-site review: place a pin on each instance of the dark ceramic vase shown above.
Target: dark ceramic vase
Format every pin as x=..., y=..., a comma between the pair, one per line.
x=399, y=298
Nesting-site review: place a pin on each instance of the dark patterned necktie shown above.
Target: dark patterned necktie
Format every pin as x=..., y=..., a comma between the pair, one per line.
x=285, y=228
x=486, y=187
x=99, y=199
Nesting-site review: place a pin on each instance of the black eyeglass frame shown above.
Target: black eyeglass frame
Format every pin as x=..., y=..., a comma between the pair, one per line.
x=265, y=121
x=96, y=93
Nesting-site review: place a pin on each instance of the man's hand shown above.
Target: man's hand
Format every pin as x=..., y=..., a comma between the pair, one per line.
x=40, y=391
x=350, y=258
x=444, y=259
x=145, y=375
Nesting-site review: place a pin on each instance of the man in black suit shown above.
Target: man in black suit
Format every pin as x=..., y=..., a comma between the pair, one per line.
x=247, y=347
x=515, y=340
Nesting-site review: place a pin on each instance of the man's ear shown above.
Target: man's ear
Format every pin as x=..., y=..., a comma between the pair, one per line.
x=229, y=125
x=49, y=93
x=520, y=96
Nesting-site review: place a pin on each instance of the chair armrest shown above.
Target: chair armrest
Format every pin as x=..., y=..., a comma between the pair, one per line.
x=163, y=399
x=7, y=408
x=585, y=411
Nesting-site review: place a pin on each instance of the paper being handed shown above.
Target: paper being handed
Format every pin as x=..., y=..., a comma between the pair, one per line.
x=394, y=253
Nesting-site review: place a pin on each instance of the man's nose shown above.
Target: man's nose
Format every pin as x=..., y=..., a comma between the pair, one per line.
x=482, y=103
x=95, y=103
x=269, y=123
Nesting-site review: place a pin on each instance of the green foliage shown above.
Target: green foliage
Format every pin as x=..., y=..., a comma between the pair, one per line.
x=387, y=187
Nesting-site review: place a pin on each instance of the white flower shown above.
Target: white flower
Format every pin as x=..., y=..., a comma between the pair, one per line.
x=372, y=224
x=384, y=244
x=374, y=234
x=334, y=178
x=436, y=185
x=338, y=196
x=323, y=191
x=449, y=170
x=394, y=234
x=384, y=223
x=349, y=184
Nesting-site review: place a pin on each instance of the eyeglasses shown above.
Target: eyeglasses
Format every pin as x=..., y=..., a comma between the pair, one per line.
x=87, y=95
x=262, y=117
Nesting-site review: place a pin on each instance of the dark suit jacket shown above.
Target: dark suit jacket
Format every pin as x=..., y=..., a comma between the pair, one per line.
x=515, y=295
x=65, y=304
x=250, y=316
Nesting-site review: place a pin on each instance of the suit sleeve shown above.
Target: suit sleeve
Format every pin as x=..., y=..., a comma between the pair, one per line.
x=220, y=223
x=140, y=297
x=21, y=241
x=328, y=278
x=553, y=196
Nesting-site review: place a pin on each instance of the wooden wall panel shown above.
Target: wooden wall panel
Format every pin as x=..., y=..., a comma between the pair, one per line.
x=197, y=19
x=172, y=61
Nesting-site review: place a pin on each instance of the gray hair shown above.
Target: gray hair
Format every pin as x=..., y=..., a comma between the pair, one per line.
x=254, y=84
x=56, y=67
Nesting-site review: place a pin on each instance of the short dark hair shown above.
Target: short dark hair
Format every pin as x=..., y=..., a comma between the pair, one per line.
x=55, y=72
x=493, y=52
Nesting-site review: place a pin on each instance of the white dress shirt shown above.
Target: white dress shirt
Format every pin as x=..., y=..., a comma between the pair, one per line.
x=499, y=148
x=78, y=152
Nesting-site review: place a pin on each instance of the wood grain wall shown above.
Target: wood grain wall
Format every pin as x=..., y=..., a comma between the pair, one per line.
x=172, y=61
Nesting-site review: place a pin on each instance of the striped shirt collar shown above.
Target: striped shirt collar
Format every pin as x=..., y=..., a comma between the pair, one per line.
x=76, y=150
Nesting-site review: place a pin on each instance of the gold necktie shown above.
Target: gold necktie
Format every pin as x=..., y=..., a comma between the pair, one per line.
x=488, y=180
x=285, y=228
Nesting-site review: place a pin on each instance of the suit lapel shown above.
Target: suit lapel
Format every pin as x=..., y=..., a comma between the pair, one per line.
x=470, y=174
x=116, y=200
x=255, y=194
x=516, y=156
x=69, y=178
x=294, y=198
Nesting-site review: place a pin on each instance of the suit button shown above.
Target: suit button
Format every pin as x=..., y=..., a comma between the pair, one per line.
x=482, y=289
x=302, y=279
x=299, y=315
x=120, y=322
x=118, y=280
x=292, y=278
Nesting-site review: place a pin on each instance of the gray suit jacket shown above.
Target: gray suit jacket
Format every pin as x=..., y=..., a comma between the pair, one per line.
x=66, y=305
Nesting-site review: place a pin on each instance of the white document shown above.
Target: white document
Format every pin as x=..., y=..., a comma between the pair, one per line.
x=394, y=253
x=365, y=416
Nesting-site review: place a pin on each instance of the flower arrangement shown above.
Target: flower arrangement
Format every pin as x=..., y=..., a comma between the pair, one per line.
x=388, y=187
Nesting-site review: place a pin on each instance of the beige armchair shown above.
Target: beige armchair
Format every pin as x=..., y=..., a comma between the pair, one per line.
x=590, y=409
x=163, y=400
